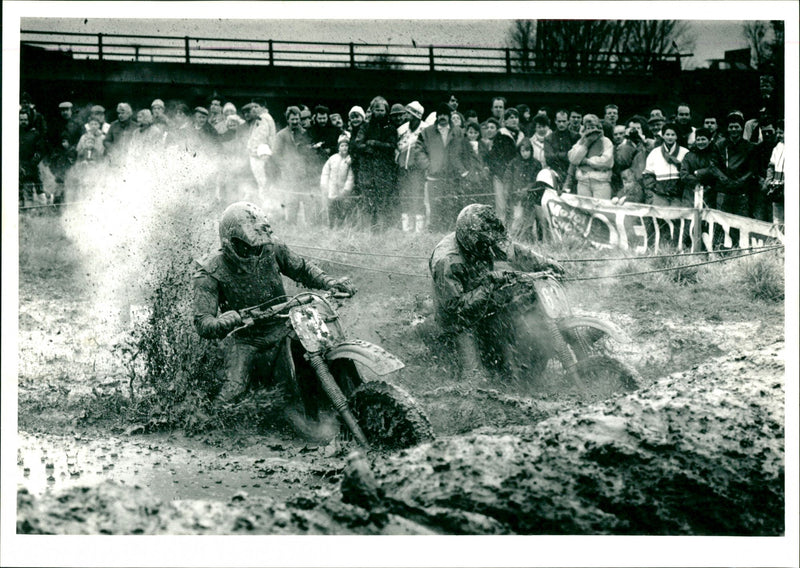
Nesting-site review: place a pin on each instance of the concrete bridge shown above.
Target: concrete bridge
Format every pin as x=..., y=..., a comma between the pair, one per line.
x=339, y=75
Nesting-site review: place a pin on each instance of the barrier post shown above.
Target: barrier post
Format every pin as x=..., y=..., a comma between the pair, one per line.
x=696, y=228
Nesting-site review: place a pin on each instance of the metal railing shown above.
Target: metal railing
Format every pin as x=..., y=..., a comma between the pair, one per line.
x=177, y=49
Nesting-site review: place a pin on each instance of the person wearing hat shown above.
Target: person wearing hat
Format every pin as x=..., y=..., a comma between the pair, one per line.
x=593, y=158
x=159, y=111
x=696, y=170
x=397, y=115
x=654, y=124
x=336, y=183
x=355, y=118
x=734, y=167
x=443, y=152
x=206, y=134
x=98, y=112
x=410, y=177
x=65, y=128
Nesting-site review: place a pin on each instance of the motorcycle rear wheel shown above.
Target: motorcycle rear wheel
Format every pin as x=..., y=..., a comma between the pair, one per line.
x=389, y=417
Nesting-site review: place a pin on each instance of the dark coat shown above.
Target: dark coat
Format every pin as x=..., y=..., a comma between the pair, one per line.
x=374, y=147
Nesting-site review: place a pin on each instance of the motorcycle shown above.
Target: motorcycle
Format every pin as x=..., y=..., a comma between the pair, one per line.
x=543, y=333
x=374, y=412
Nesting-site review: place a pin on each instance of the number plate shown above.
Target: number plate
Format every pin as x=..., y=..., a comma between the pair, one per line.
x=552, y=298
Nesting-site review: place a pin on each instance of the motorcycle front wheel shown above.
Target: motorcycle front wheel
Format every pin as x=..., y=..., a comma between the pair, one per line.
x=603, y=375
x=389, y=417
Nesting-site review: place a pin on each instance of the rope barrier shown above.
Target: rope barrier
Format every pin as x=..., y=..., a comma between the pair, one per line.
x=368, y=268
x=23, y=208
x=601, y=259
x=665, y=269
x=410, y=257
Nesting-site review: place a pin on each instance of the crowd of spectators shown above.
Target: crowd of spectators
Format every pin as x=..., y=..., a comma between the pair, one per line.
x=391, y=165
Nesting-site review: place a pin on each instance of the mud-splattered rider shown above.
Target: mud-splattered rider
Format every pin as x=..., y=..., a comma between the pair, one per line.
x=246, y=272
x=467, y=285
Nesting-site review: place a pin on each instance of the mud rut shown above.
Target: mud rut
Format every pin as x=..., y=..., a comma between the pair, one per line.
x=700, y=451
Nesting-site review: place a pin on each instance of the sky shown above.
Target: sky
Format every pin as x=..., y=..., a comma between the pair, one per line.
x=712, y=37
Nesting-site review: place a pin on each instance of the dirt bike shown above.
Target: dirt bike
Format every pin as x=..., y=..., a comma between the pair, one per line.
x=374, y=412
x=544, y=330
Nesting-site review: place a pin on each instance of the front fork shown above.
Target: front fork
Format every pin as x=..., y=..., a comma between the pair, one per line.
x=565, y=355
x=336, y=396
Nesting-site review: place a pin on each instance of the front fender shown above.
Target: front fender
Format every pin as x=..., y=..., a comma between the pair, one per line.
x=570, y=322
x=374, y=358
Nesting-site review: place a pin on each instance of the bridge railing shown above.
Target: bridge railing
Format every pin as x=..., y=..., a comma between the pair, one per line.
x=185, y=49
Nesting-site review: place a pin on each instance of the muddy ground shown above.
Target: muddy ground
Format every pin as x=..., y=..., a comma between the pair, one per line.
x=698, y=450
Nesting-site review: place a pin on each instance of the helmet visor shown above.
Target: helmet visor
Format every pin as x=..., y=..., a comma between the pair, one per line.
x=244, y=250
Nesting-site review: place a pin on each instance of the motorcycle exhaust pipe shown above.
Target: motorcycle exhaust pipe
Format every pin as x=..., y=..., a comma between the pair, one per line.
x=336, y=396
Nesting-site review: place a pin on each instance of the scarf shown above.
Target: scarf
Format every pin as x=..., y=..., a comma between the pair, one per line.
x=671, y=157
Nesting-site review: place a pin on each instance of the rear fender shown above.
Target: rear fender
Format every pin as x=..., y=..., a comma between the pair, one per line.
x=374, y=358
x=570, y=322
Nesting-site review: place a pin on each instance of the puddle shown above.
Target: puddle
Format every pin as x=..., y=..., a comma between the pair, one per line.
x=47, y=463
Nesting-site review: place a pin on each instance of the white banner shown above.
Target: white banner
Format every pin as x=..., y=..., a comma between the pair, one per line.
x=641, y=228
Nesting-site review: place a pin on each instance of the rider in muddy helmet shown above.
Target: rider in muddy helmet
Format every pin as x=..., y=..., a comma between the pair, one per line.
x=468, y=268
x=245, y=272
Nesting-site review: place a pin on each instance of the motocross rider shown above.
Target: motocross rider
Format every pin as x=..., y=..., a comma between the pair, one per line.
x=469, y=268
x=246, y=272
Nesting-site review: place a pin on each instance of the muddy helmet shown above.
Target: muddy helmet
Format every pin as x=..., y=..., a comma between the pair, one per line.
x=480, y=233
x=245, y=235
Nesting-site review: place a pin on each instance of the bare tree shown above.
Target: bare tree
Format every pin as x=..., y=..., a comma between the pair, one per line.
x=598, y=46
x=521, y=38
x=756, y=35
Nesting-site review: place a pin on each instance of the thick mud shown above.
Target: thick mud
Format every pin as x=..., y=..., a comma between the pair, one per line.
x=699, y=452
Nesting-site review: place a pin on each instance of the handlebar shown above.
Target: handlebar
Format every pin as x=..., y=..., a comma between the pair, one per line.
x=255, y=314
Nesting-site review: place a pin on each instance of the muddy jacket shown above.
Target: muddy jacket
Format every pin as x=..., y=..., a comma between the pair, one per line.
x=219, y=287
x=460, y=292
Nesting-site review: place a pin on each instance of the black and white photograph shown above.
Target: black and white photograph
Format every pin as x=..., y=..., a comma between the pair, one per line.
x=400, y=269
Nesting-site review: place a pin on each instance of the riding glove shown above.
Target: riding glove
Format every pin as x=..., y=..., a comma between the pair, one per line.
x=228, y=321
x=343, y=285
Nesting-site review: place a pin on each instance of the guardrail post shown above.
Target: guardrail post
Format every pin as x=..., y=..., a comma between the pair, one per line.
x=186, y=47
x=271, y=55
x=508, y=60
x=430, y=56
x=100, y=46
x=352, y=56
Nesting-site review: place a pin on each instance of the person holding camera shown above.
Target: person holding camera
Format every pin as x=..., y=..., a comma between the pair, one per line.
x=593, y=158
x=629, y=160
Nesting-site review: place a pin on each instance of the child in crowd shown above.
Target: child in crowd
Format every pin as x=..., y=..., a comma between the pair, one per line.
x=519, y=178
x=336, y=182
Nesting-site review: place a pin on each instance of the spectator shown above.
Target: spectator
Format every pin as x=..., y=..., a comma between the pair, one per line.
x=752, y=128
x=305, y=118
x=593, y=158
x=32, y=147
x=205, y=133
x=762, y=204
x=610, y=119
x=337, y=122
x=478, y=183
x=526, y=120
x=558, y=143
x=773, y=183
x=541, y=131
x=158, y=110
x=336, y=183
x=696, y=170
x=618, y=135
x=35, y=118
x=261, y=143
x=655, y=124
x=683, y=121
x=443, y=153
x=215, y=115
x=504, y=149
x=375, y=147
x=661, y=177
x=90, y=147
x=519, y=178
x=456, y=117
x=499, y=109
x=180, y=133
x=236, y=179
x=397, y=115
x=629, y=162
x=355, y=118
x=733, y=165
x=410, y=176
x=65, y=128
x=575, y=122
x=324, y=140
x=291, y=152
x=710, y=123
x=99, y=113
x=146, y=137
x=118, y=135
